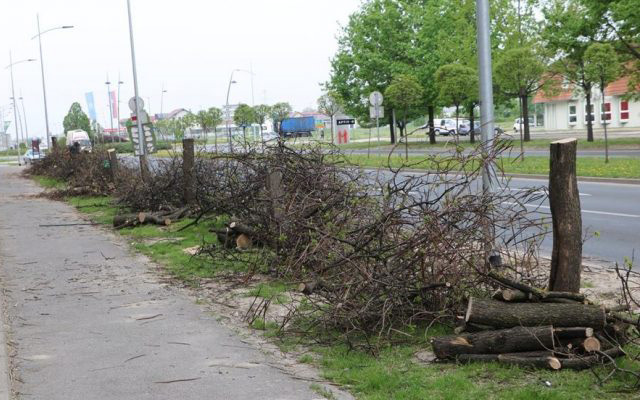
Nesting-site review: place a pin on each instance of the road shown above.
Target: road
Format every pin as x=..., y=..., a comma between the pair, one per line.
x=515, y=152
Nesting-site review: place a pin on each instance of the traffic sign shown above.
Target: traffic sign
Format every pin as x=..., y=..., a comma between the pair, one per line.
x=346, y=121
x=376, y=112
x=132, y=104
x=376, y=98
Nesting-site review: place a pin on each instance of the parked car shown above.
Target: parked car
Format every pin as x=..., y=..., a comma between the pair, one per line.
x=516, y=124
x=447, y=126
x=477, y=130
x=30, y=157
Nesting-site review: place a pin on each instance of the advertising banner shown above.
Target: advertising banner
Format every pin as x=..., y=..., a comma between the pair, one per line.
x=91, y=106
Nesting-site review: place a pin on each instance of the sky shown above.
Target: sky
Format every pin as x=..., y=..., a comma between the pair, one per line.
x=189, y=47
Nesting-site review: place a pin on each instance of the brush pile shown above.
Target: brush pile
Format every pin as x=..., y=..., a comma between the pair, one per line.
x=527, y=326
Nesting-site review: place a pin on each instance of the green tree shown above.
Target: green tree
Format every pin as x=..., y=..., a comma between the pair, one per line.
x=457, y=85
x=404, y=94
x=279, y=111
x=261, y=113
x=518, y=74
x=208, y=119
x=567, y=33
x=330, y=104
x=602, y=66
x=77, y=119
x=243, y=117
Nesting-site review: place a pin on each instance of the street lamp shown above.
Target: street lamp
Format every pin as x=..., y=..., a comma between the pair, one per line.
x=118, y=108
x=13, y=95
x=24, y=116
x=231, y=81
x=44, y=90
x=108, y=83
x=162, y=100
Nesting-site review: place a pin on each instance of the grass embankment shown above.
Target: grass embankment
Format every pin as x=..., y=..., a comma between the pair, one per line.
x=395, y=372
x=618, y=167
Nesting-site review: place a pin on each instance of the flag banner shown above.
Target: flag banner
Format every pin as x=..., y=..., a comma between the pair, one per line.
x=114, y=104
x=91, y=106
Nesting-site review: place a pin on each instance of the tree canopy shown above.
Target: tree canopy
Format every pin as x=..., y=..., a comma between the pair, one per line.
x=77, y=119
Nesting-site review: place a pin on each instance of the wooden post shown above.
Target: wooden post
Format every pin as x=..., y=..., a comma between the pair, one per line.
x=564, y=199
x=113, y=163
x=54, y=143
x=187, y=168
x=274, y=186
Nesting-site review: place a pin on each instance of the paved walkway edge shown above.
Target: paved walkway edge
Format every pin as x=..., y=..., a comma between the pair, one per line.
x=5, y=388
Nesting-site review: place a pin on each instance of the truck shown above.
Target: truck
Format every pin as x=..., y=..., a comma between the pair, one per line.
x=297, y=127
x=81, y=137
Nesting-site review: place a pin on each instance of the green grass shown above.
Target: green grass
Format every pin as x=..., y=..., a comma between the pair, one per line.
x=619, y=167
x=49, y=183
x=275, y=291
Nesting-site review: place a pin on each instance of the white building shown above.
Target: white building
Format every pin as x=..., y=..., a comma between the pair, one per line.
x=566, y=110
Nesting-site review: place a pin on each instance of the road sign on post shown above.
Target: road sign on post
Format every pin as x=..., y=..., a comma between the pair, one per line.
x=344, y=129
x=376, y=110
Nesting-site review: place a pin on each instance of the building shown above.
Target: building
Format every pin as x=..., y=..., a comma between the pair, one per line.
x=566, y=109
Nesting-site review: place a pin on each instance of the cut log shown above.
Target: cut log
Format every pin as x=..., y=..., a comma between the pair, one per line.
x=309, y=288
x=515, y=295
x=508, y=315
x=535, y=362
x=572, y=333
x=125, y=220
x=588, y=362
x=469, y=327
x=590, y=344
x=494, y=342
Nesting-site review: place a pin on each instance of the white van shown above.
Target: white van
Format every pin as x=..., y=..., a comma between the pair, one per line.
x=81, y=137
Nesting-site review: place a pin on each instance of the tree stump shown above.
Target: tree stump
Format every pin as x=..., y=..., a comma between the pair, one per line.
x=188, y=158
x=564, y=199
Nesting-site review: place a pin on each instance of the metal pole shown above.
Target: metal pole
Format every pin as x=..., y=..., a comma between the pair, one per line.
x=44, y=89
x=24, y=116
x=141, y=144
x=118, y=109
x=486, y=87
x=108, y=83
x=228, y=113
x=253, y=101
x=15, y=112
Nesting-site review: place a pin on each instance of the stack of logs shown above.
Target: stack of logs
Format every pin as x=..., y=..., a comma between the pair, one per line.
x=526, y=326
x=164, y=218
x=236, y=235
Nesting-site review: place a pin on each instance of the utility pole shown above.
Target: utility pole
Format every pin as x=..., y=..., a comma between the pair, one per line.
x=118, y=108
x=24, y=116
x=486, y=88
x=108, y=83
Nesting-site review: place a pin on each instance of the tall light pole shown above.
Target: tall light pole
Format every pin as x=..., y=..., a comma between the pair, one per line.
x=118, y=108
x=13, y=95
x=44, y=90
x=227, y=111
x=162, y=100
x=24, y=116
x=141, y=142
x=486, y=87
x=108, y=83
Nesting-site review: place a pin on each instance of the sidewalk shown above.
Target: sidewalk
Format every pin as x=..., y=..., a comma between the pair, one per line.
x=89, y=320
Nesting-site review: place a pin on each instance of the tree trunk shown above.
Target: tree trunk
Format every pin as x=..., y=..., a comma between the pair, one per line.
x=573, y=332
x=406, y=138
x=494, y=342
x=507, y=315
x=187, y=170
x=588, y=362
x=472, y=135
x=564, y=199
x=604, y=123
x=589, y=115
x=525, y=117
x=432, y=130
x=392, y=128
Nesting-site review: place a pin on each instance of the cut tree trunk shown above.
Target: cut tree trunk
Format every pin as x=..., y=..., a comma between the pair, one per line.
x=573, y=332
x=187, y=170
x=534, y=362
x=125, y=220
x=507, y=315
x=494, y=342
x=588, y=362
x=564, y=199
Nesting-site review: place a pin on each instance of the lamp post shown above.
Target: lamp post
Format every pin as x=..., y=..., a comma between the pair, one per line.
x=118, y=108
x=108, y=83
x=231, y=81
x=162, y=100
x=486, y=86
x=24, y=116
x=44, y=90
x=13, y=95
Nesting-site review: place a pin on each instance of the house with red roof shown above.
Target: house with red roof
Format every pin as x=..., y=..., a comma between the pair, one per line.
x=565, y=108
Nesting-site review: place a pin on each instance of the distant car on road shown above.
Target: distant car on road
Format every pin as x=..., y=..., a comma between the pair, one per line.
x=30, y=157
x=478, y=129
x=516, y=124
x=447, y=126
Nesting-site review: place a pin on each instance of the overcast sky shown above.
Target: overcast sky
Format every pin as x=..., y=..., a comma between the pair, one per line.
x=189, y=46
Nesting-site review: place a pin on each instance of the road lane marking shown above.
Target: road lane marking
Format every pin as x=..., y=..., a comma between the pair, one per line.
x=542, y=191
x=584, y=211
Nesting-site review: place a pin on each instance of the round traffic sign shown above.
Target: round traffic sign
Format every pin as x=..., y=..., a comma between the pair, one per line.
x=132, y=104
x=375, y=98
